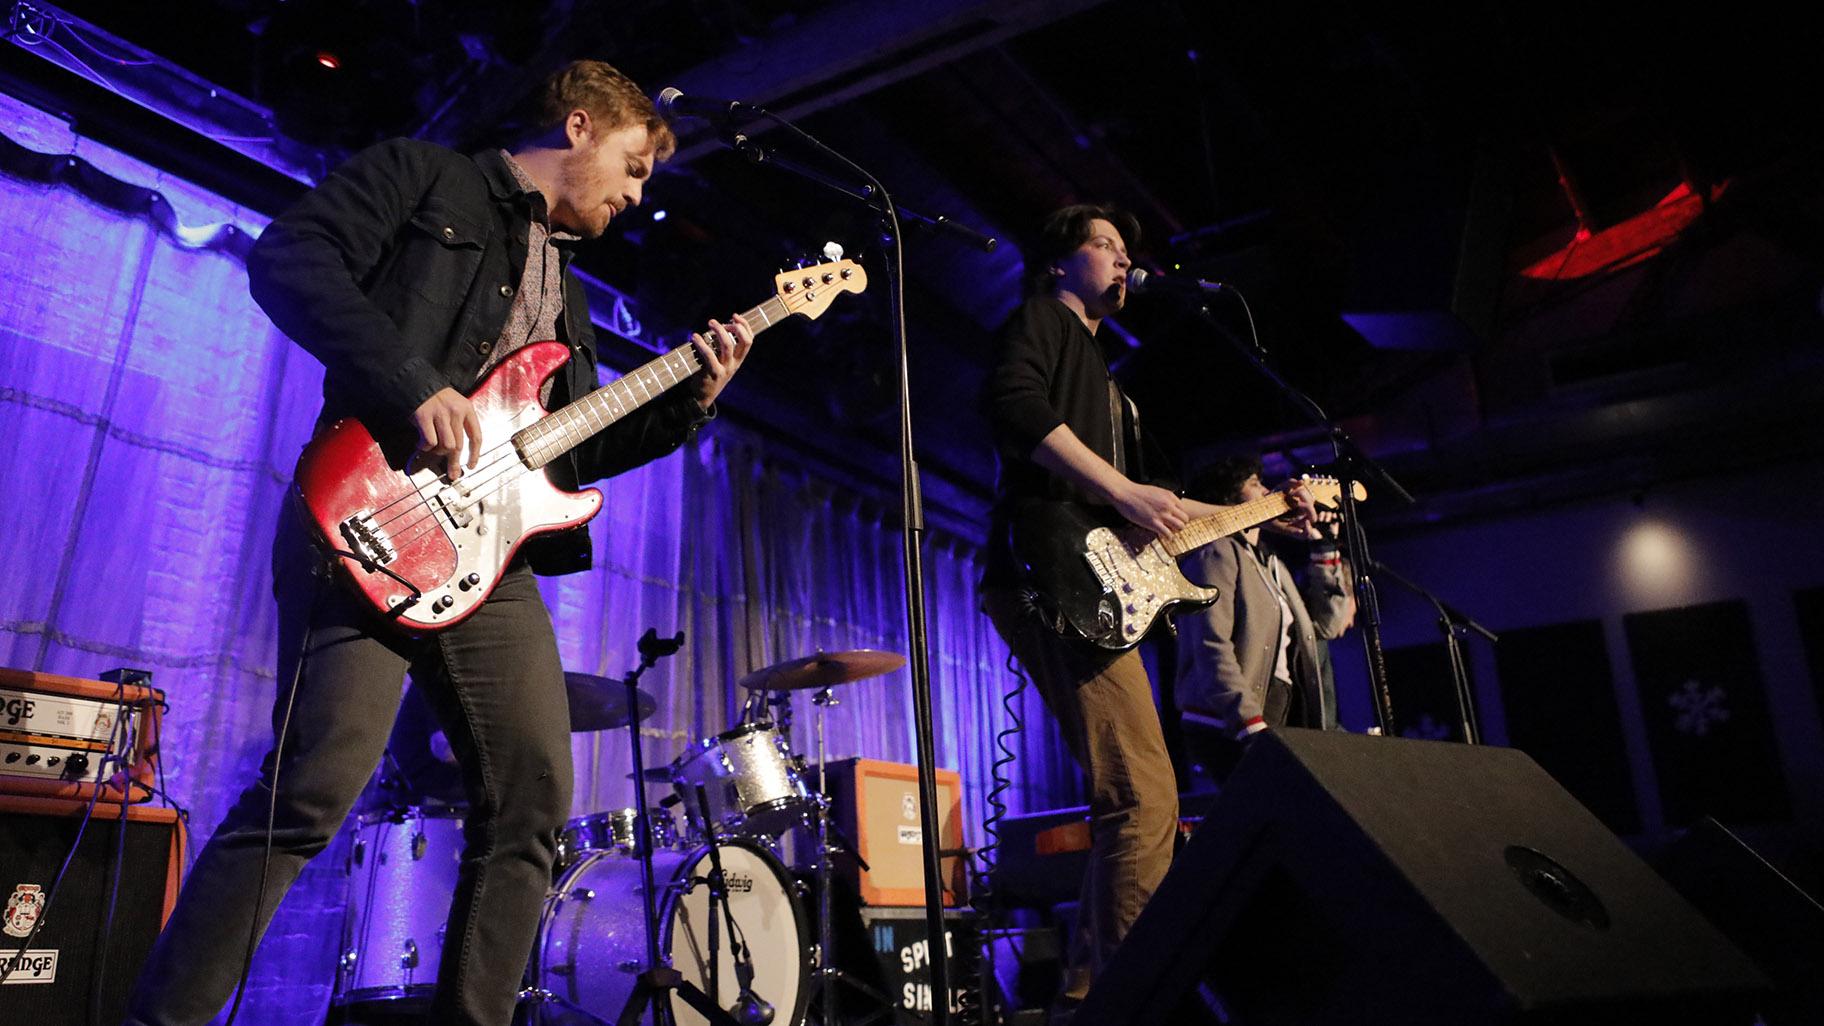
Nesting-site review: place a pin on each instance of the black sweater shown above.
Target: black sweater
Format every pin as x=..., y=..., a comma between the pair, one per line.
x=1048, y=370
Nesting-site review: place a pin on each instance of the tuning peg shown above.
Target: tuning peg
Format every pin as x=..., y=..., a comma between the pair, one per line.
x=832, y=251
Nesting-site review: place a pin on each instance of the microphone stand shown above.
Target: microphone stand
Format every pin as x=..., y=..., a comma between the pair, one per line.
x=659, y=979
x=1452, y=622
x=1350, y=462
x=912, y=513
x=935, y=224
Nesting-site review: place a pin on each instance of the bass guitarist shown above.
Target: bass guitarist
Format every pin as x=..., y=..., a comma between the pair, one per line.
x=410, y=272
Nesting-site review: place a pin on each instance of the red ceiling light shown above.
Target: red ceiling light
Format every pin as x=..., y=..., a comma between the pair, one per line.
x=329, y=60
x=1639, y=238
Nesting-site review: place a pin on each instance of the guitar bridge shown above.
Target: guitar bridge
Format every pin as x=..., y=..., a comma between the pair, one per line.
x=366, y=541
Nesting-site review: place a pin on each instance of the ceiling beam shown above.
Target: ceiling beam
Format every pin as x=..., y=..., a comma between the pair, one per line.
x=854, y=49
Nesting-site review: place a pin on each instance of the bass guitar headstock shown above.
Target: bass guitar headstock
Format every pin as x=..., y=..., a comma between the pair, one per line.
x=810, y=290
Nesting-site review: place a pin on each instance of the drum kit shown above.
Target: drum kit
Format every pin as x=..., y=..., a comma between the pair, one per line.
x=701, y=917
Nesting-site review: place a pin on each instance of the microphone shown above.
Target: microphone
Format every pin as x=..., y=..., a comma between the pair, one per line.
x=751, y=1010
x=1139, y=281
x=674, y=103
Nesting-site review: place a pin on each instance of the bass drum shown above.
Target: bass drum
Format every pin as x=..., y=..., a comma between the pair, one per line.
x=592, y=943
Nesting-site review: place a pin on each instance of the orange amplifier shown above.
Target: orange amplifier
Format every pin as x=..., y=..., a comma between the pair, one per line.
x=876, y=805
x=55, y=733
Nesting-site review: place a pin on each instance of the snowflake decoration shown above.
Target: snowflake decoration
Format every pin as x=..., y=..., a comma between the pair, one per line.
x=1699, y=708
x=1427, y=729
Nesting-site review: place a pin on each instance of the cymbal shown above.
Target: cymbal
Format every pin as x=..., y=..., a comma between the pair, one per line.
x=822, y=670
x=600, y=703
x=656, y=775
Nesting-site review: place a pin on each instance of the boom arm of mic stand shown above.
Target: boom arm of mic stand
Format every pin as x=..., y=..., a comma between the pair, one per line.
x=1449, y=620
x=754, y=151
x=1445, y=609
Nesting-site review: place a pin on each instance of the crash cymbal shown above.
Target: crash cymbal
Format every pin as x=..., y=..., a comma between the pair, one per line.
x=656, y=775
x=600, y=703
x=822, y=670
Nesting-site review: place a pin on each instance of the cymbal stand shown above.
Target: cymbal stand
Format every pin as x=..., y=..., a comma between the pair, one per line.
x=826, y=930
x=828, y=976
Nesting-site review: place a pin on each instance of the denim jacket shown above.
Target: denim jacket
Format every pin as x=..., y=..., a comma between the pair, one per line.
x=398, y=271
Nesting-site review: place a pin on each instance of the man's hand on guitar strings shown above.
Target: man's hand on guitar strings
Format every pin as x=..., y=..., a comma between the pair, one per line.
x=443, y=422
x=1151, y=507
x=1301, y=521
x=723, y=359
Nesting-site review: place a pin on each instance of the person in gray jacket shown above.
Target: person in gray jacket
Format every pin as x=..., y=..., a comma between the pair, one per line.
x=1251, y=661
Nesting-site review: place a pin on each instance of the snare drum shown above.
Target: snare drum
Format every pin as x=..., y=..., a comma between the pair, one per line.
x=750, y=779
x=402, y=874
x=612, y=831
x=592, y=941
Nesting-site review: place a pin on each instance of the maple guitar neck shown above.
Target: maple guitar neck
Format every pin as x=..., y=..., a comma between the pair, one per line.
x=1204, y=530
x=559, y=432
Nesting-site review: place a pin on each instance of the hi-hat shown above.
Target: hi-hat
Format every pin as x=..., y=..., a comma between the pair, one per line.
x=600, y=703
x=822, y=670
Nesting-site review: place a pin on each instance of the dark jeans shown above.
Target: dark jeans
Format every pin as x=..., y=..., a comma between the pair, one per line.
x=497, y=688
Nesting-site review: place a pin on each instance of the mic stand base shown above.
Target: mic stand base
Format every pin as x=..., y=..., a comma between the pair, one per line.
x=651, y=988
x=889, y=1010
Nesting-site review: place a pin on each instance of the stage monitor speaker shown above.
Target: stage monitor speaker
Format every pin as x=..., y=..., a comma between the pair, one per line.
x=80, y=964
x=1769, y=916
x=1362, y=880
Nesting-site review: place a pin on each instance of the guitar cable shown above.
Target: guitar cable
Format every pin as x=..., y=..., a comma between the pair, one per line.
x=272, y=802
x=984, y=898
x=128, y=741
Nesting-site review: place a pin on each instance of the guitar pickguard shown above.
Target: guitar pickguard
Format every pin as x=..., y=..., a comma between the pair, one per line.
x=1141, y=577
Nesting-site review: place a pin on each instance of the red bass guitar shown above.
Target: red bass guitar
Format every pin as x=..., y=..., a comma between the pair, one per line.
x=425, y=550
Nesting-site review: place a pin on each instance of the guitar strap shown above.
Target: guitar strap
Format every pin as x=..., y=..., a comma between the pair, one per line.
x=1117, y=437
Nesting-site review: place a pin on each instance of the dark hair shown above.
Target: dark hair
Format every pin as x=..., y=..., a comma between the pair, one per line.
x=1221, y=481
x=1065, y=230
x=609, y=96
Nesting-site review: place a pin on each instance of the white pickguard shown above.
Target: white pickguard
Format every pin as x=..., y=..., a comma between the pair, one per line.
x=1140, y=575
x=488, y=517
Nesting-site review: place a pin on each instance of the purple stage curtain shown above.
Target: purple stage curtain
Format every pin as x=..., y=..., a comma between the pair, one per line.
x=152, y=416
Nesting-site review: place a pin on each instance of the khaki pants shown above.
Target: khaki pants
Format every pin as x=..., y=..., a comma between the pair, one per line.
x=1103, y=702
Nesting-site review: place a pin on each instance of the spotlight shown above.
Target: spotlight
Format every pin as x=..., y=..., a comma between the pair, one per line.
x=659, y=214
x=329, y=60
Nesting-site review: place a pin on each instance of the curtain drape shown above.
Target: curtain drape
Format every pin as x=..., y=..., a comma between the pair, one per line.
x=152, y=415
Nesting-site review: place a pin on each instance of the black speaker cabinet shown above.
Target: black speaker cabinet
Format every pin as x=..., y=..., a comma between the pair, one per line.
x=1755, y=905
x=79, y=965
x=1363, y=880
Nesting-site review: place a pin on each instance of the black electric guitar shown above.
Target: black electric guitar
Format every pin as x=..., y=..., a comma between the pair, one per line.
x=1102, y=579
